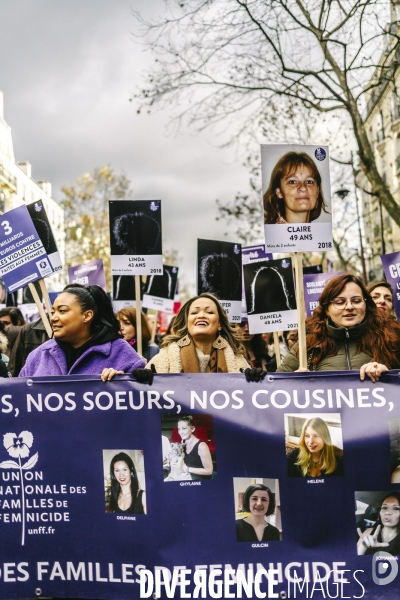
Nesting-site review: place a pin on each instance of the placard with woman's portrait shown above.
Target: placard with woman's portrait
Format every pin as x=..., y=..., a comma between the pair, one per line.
x=296, y=198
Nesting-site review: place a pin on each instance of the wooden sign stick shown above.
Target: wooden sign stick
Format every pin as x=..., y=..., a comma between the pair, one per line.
x=46, y=296
x=277, y=351
x=301, y=311
x=138, y=315
x=40, y=308
x=154, y=328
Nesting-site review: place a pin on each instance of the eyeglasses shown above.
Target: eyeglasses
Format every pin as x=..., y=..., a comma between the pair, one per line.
x=341, y=303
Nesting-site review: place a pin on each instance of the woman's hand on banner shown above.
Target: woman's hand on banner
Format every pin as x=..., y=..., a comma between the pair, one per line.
x=254, y=374
x=367, y=540
x=302, y=370
x=108, y=374
x=144, y=375
x=373, y=370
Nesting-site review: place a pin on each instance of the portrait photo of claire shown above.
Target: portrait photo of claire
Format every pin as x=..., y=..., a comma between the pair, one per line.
x=124, y=481
x=378, y=522
x=314, y=446
x=294, y=193
x=257, y=509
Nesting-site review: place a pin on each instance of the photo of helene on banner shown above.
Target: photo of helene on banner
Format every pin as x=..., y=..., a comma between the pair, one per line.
x=219, y=272
x=135, y=237
x=297, y=197
x=270, y=295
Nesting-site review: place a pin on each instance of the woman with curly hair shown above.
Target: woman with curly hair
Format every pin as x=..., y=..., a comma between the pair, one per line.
x=294, y=194
x=125, y=495
x=203, y=341
x=316, y=456
x=347, y=332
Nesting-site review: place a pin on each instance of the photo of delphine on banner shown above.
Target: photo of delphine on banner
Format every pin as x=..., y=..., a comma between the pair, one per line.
x=296, y=198
x=270, y=295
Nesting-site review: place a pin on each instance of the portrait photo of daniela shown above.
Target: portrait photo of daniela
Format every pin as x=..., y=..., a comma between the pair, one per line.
x=314, y=445
x=124, y=481
x=296, y=188
x=257, y=509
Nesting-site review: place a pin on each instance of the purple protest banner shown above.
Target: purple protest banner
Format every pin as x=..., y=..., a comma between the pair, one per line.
x=91, y=273
x=391, y=268
x=313, y=285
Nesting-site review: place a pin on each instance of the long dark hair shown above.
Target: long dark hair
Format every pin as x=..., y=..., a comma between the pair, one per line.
x=274, y=207
x=381, y=339
x=115, y=486
x=94, y=298
x=181, y=325
x=395, y=494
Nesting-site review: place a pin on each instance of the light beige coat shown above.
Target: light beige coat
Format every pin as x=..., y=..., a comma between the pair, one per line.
x=168, y=360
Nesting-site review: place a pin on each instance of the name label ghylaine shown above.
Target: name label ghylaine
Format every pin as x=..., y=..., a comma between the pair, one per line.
x=190, y=482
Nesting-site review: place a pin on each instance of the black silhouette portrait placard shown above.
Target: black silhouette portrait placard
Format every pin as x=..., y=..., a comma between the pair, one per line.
x=159, y=291
x=135, y=237
x=219, y=272
x=296, y=198
x=270, y=295
x=42, y=225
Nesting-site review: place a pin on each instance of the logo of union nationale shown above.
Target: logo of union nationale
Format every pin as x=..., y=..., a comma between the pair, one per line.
x=38, y=206
x=154, y=206
x=236, y=249
x=18, y=446
x=285, y=263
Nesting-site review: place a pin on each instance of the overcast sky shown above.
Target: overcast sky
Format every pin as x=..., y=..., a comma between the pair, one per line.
x=68, y=70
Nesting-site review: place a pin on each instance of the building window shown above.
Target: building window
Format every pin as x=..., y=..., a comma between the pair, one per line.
x=381, y=131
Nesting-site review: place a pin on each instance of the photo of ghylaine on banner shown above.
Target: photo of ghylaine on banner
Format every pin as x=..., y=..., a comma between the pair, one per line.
x=135, y=237
x=188, y=447
x=270, y=295
x=257, y=509
x=124, y=481
x=296, y=198
x=219, y=272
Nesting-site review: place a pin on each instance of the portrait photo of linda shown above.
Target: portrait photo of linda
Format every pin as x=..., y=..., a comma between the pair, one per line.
x=294, y=187
x=124, y=481
x=257, y=509
x=314, y=445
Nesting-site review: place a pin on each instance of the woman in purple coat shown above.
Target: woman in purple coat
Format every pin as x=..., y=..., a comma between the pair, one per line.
x=86, y=338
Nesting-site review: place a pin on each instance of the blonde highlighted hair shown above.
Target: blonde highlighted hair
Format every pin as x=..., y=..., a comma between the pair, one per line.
x=328, y=459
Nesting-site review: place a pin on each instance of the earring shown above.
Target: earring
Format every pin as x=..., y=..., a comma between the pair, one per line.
x=220, y=342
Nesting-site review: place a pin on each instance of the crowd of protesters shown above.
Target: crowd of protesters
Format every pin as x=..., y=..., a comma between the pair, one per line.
x=353, y=327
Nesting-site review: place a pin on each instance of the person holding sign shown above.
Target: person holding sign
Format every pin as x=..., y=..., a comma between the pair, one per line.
x=125, y=495
x=86, y=338
x=385, y=534
x=259, y=501
x=346, y=331
x=203, y=341
x=294, y=194
x=127, y=320
x=316, y=456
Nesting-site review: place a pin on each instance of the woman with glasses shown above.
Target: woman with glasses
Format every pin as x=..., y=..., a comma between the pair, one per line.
x=347, y=332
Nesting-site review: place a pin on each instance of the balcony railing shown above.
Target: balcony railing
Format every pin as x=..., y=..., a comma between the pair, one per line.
x=7, y=178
